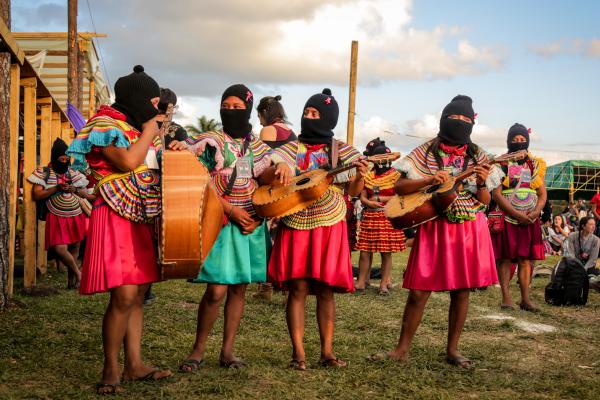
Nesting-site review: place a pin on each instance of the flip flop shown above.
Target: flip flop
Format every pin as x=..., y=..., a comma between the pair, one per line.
x=114, y=388
x=360, y=291
x=234, y=364
x=150, y=376
x=532, y=308
x=462, y=362
x=384, y=292
x=298, y=365
x=333, y=362
x=193, y=365
x=507, y=307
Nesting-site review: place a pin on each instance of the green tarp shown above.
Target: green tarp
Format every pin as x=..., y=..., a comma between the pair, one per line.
x=581, y=175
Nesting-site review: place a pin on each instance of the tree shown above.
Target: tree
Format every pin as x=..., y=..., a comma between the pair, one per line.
x=204, y=125
x=4, y=158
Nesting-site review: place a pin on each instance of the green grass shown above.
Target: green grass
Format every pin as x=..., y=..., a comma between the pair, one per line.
x=50, y=348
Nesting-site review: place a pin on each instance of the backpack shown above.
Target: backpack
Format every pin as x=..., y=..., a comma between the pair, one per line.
x=41, y=207
x=569, y=284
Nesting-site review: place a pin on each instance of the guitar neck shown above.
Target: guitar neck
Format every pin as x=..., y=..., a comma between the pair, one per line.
x=373, y=159
x=470, y=171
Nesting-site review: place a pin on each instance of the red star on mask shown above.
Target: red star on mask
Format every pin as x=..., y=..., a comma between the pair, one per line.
x=328, y=100
x=248, y=96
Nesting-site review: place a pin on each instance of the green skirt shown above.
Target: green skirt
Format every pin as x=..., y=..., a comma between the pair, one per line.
x=236, y=258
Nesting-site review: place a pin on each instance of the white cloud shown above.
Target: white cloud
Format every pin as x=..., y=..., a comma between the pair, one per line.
x=578, y=46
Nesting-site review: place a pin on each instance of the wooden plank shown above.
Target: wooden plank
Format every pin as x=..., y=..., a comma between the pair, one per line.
x=54, y=76
x=66, y=132
x=9, y=40
x=61, y=53
x=92, y=99
x=15, y=89
x=50, y=65
x=56, y=127
x=55, y=35
x=45, y=146
x=29, y=133
x=352, y=93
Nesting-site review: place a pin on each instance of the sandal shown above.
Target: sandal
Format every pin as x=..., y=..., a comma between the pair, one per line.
x=529, y=307
x=460, y=361
x=150, y=376
x=384, y=292
x=192, y=365
x=234, y=364
x=113, y=388
x=507, y=307
x=360, y=290
x=383, y=356
x=333, y=362
x=298, y=365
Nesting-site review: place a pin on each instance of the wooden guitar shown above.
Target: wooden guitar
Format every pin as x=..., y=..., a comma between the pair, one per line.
x=192, y=214
x=430, y=202
x=277, y=200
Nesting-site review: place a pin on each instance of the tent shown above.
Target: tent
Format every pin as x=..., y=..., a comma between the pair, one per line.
x=573, y=179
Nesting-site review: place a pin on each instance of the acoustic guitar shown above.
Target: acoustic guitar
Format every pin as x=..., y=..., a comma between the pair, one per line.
x=430, y=202
x=277, y=200
x=192, y=214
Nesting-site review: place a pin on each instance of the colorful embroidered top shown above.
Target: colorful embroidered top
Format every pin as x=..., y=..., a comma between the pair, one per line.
x=133, y=195
x=61, y=204
x=221, y=154
x=421, y=163
x=382, y=185
x=531, y=176
x=331, y=207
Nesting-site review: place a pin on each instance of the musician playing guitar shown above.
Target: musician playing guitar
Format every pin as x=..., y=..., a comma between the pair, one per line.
x=235, y=160
x=453, y=252
x=311, y=252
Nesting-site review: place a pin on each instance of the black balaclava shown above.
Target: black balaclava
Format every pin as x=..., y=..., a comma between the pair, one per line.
x=133, y=93
x=515, y=130
x=59, y=148
x=320, y=131
x=455, y=131
x=236, y=123
x=377, y=146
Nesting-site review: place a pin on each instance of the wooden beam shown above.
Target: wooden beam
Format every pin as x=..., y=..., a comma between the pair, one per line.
x=44, y=101
x=56, y=35
x=61, y=53
x=56, y=127
x=29, y=134
x=92, y=99
x=8, y=39
x=352, y=93
x=49, y=65
x=54, y=76
x=13, y=166
x=45, y=146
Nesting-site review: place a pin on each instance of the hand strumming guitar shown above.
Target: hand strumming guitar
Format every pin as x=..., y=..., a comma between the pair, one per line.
x=284, y=172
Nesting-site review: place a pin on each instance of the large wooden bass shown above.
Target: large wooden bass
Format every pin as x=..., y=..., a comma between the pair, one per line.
x=430, y=202
x=192, y=214
x=277, y=200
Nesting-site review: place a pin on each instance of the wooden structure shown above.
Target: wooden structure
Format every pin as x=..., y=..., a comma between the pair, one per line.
x=36, y=119
x=352, y=93
x=47, y=52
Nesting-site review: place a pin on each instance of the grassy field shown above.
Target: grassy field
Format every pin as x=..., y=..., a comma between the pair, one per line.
x=50, y=348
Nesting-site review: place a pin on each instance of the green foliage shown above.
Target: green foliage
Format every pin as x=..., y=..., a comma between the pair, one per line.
x=51, y=348
x=204, y=125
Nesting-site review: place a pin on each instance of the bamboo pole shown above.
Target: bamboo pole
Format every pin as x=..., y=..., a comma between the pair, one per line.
x=352, y=93
x=45, y=146
x=29, y=138
x=15, y=92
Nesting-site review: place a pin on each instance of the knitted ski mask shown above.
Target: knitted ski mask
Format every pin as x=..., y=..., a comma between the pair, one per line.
x=236, y=123
x=133, y=93
x=59, y=148
x=320, y=131
x=377, y=146
x=456, y=131
x=516, y=130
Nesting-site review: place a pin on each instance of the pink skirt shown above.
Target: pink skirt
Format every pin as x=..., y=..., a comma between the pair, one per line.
x=118, y=252
x=519, y=241
x=451, y=256
x=65, y=230
x=321, y=254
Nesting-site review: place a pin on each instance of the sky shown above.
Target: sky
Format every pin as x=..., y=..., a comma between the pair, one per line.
x=529, y=61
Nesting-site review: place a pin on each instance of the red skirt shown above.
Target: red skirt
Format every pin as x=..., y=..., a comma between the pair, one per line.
x=321, y=254
x=350, y=221
x=377, y=235
x=451, y=256
x=519, y=241
x=118, y=252
x=65, y=230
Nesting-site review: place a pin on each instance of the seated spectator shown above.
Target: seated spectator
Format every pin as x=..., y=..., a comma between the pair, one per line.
x=557, y=234
x=584, y=245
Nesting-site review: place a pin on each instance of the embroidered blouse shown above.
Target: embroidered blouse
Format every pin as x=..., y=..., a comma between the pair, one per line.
x=61, y=204
x=528, y=177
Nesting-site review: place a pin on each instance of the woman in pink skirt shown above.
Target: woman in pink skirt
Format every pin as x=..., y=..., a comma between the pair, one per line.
x=453, y=252
x=311, y=252
x=60, y=188
x=522, y=197
x=120, y=256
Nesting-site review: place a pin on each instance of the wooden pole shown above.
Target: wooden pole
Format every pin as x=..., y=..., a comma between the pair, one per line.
x=352, y=92
x=45, y=146
x=56, y=126
x=92, y=100
x=15, y=91
x=29, y=138
x=5, y=74
x=64, y=133
x=72, y=54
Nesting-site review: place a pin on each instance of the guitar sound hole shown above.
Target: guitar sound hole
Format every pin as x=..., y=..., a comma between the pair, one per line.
x=432, y=188
x=302, y=181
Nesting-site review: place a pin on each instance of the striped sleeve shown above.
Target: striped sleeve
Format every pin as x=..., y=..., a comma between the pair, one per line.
x=38, y=177
x=78, y=179
x=347, y=155
x=208, y=148
x=261, y=154
x=286, y=154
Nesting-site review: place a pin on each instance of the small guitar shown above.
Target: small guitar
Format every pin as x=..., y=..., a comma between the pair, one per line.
x=277, y=200
x=430, y=202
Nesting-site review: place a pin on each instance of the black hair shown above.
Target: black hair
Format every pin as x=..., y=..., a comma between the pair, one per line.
x=167, y=96
x=562, y=220
x=271, y=109
x=582, y=223
x=434, y=147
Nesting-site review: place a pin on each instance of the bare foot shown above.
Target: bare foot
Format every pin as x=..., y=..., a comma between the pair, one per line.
x=458, y=360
